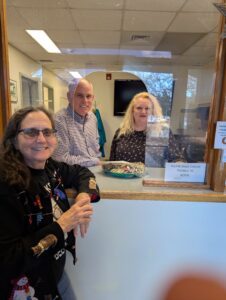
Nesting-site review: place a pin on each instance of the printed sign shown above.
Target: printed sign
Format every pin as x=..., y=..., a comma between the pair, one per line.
x=220, y=136
x=185, y=172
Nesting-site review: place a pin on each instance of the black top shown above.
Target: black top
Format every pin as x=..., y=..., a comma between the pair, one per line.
x=28, y=216
x=132, y=147
x=129, y=147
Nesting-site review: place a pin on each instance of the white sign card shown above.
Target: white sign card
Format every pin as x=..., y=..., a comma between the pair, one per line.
x=185, y=172
x=220, y=136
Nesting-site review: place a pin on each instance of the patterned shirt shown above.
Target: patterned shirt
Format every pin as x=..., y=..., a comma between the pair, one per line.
x=133, y=147
x=78, y=139
x=129, y=147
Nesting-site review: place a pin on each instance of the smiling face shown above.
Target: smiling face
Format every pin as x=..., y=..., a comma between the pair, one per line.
x=141, y=110
x=38, y=149
x=83, y=98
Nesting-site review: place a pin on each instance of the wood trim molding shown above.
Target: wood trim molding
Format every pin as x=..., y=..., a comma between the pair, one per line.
x=5, y=105
x=217, y=169
x=160, y=183
x=162, y=194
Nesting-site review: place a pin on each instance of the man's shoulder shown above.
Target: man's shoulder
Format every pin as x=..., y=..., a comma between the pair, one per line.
x=61, y=117
x=91, y=116
x=61, y=112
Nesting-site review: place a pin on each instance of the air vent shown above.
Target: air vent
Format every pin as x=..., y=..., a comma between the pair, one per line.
x=221, y=7
x=140, y=38
x=46, y=60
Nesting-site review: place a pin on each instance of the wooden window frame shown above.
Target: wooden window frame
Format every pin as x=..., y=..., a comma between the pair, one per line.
x=216, y=169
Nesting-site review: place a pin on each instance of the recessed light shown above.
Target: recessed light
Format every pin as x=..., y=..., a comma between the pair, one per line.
x=44, y=40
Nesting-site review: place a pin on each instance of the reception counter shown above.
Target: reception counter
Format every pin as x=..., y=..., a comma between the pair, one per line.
x=133, y=249
x=133, y=189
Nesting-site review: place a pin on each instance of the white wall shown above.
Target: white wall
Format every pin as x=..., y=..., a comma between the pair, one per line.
x=134, y=248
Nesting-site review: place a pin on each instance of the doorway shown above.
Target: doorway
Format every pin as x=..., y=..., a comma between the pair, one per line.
x=48, y=97
x=29, y=91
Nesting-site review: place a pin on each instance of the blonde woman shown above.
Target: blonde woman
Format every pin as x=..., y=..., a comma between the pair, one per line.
x=129, y=140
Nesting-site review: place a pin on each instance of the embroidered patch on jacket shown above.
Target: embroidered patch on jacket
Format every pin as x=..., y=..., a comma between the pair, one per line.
x=59, y=194
x=92, y=183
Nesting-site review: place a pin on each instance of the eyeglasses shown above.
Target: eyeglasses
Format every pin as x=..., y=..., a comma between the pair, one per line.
x=33, y=133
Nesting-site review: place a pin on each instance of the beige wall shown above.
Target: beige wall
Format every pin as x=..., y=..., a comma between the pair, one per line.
x=21, y=64
x=60, y=89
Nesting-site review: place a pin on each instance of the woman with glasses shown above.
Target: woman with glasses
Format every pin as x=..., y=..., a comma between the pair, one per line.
x=37, y=225
x=129, y=140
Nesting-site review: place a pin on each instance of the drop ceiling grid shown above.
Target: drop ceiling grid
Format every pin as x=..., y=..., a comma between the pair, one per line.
x=110, y=24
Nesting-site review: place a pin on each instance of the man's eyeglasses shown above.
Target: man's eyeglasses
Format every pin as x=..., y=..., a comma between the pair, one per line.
x=32, y=133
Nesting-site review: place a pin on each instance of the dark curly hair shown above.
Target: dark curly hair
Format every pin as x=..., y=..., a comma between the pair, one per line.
x=13, y=169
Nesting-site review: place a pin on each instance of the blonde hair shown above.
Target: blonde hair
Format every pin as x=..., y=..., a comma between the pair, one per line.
x=127, y=125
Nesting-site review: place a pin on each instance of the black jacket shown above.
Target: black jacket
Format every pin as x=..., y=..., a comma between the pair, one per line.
x=27, y=217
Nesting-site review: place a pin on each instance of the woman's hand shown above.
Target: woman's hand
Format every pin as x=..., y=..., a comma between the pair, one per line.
x=78, y=213
x=83, y=196
x=83, y=226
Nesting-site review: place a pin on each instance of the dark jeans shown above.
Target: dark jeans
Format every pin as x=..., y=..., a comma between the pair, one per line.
x=65, y=288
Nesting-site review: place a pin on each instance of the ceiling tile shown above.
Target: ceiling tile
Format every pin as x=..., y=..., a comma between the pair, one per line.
x=40, y=18
x=67, y=47
x=100, y=37
x=39, y=3
x=194, y=22
x=147, y=21
x=202, y=6
x=31, y=49
x=155, y=5
x=14, y=19
x=199, y=51
x=178, y=42
x=80, y=26
x=96, y=4
x=100, y=20
x=208, y=40
x=19, y=36
x=67, y=36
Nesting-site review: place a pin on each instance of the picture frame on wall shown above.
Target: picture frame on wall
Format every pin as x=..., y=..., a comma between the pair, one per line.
x=13, y=91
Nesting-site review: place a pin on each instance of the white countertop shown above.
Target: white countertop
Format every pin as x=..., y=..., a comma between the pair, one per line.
x=133, y=189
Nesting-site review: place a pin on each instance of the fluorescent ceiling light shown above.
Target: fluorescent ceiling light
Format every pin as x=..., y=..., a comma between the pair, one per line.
x=75, y=74
x=43, y=39
x=122, y=52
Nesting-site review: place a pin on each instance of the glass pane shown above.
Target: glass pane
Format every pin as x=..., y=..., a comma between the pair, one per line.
x=185, y=105
x=169, y=45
